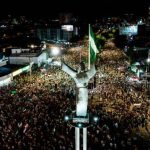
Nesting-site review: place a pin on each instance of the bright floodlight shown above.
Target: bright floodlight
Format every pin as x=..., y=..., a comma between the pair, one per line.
x=79, y=125
x=55, y=51
x=148, y=60
x=66, y=118
x=32, y=46
x=95, y=119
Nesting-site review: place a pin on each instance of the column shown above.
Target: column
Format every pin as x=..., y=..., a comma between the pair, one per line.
x=77, y=138
x=84, y=138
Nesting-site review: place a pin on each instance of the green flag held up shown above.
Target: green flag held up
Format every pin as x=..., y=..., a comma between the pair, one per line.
x=92, y=47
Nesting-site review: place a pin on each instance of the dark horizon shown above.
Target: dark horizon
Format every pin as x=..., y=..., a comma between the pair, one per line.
x=89, y=10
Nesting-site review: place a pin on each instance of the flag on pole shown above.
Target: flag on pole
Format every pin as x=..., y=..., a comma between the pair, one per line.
x=92, y=47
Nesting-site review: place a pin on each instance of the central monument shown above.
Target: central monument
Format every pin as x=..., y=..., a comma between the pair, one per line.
x=81, y=78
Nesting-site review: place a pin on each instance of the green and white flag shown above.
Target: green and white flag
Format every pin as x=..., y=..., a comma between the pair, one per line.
x=92, y=47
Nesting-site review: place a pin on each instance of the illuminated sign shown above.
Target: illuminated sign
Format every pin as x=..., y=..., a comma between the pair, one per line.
x=129, y=30
x=81, y=120
x=67, y=27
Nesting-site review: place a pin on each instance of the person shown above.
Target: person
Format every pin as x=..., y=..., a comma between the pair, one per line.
x=81, y=78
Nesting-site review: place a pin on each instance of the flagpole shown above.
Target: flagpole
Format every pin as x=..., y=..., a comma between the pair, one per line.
x=89, y=50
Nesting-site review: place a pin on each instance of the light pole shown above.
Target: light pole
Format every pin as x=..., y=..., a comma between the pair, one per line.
x=148, y=79
x=148, y=72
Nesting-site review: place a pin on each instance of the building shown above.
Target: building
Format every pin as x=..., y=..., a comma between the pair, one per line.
x=62, y=32
x=24, y=56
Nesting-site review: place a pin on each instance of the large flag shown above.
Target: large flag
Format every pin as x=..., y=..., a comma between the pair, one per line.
x=92, y=47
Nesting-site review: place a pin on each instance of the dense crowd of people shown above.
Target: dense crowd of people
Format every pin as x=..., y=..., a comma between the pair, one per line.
x=33, y=107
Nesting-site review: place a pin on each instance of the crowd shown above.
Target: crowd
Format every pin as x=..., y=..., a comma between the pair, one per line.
x=33, y=107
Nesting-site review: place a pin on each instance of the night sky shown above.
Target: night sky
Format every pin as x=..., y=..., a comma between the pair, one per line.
x=86, y=9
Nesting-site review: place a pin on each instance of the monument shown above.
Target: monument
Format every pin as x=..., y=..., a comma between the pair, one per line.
x=81, y=78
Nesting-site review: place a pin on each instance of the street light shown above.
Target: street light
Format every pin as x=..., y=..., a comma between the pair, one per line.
x=148, y=59
x=148, y=63
x=148, y=71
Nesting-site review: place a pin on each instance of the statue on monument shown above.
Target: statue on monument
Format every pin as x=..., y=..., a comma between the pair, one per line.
x=81, y=78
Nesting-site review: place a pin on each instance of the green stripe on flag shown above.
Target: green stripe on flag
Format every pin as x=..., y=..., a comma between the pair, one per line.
x=92, y=46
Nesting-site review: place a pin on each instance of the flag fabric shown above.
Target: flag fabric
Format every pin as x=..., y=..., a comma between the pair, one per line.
x=92, y=46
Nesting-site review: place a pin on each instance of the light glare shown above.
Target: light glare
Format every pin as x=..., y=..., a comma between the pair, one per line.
x=55, y=51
